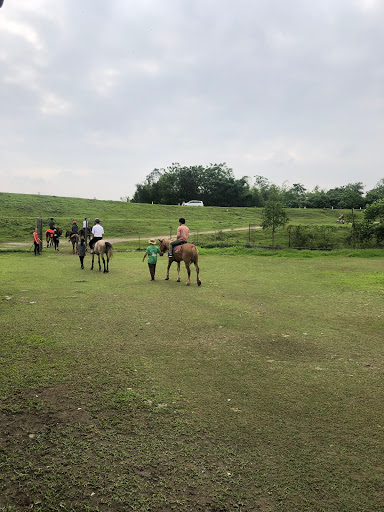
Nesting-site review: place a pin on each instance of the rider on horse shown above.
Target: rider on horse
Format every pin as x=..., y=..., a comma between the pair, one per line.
x=74, y=228
x=182, y=237
x=98, y=232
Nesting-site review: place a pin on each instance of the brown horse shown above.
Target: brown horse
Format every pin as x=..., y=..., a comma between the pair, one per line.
x=185, y=252
x=101, y=248
x=74, y=239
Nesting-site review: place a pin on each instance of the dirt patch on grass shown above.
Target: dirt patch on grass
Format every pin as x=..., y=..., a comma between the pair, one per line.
x=68, y=451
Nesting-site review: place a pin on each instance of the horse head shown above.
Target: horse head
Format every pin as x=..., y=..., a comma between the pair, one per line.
x=164, y=245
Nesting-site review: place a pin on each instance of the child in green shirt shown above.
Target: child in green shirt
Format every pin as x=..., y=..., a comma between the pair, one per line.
x=152, y=251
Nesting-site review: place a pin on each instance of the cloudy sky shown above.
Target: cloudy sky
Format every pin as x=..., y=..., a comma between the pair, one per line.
x=96, y=94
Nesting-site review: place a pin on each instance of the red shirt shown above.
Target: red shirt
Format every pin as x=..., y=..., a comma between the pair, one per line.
x=36, y=237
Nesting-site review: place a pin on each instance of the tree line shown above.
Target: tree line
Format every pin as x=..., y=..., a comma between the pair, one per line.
x=216, y=185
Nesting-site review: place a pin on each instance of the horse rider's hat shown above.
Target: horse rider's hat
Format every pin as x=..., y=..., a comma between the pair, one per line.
x=74, y=222
x=97, y=220
x=152, y=241
x=182, y=220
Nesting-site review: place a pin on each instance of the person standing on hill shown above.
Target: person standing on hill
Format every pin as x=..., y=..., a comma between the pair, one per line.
x=182, y=237
x=97, y=232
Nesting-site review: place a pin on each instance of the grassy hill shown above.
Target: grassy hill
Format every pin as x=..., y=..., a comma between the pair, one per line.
x=128, y=220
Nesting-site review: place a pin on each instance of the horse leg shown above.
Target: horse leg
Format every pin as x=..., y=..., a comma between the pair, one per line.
x=178, y=271
x=93, y=257
x=107, y=264
x=99, y=263
x=188, y=267
x=104, y=264
x=197, y=274
x=169, y=265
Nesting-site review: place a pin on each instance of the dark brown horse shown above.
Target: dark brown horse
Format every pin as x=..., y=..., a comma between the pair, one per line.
x=74, y=239
x=185, y=252
x=101, y=248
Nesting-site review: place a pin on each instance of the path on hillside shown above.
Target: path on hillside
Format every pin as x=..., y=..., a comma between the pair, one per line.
x=116, y=240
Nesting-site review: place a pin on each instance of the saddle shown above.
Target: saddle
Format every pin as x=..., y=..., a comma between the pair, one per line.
x=178, y=247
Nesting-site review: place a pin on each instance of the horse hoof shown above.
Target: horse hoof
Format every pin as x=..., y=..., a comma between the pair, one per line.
x=178, y=280
x=187, y=284
x=167, y=278
x=199, y=283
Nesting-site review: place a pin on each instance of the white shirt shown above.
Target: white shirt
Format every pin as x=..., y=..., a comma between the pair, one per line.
x=97, y=230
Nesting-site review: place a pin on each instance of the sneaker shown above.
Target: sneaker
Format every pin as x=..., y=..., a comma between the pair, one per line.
x=170, y=255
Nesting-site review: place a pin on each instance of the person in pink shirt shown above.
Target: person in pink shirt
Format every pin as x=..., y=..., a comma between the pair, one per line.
x=182, y=236
x=36, y=242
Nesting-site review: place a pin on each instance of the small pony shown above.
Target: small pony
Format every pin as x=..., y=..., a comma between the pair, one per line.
x=184, y=252
x=74, y=239
x=102, y=248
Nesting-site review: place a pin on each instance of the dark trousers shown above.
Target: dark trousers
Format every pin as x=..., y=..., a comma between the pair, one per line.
x=81, y=261
x=152, y=270
x=174, y=243
x=36, y=248
x=94, y=240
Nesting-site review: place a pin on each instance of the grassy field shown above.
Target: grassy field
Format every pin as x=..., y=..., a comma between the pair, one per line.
x=127, y=220
x=261, y=390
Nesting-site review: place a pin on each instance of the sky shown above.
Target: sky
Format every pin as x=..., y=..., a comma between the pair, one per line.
x=96, y=94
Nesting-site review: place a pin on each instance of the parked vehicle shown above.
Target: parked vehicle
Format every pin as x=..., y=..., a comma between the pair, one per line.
x=194, y=202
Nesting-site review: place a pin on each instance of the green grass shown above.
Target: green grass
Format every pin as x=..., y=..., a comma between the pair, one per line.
x=127, y=220
x=259, y=390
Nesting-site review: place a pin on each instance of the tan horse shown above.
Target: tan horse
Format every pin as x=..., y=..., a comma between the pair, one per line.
x=185, y=252
x=101, y=248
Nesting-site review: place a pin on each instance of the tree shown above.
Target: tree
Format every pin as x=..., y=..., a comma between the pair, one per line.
x=374, y=216
x=352, y=196
x=376, y=193
x=274, y=216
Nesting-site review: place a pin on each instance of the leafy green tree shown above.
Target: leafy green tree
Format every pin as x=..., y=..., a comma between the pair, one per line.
x=274, y=216
x=294, y=197
x=317, y=199
x=352, y=196
x=376, y=193
x=374, y=217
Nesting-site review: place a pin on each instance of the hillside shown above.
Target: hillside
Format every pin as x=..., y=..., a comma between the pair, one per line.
x=121, y=219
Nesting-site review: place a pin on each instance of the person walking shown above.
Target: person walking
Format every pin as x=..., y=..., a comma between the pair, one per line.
x=97, y=232
x=36, y=243
x=81, y=251
x=55, y=237
x=181, y=238
x=51, y=223
x=152, y=251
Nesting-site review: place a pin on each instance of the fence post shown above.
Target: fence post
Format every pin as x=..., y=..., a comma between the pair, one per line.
x=215, y=238
x=197, y=238
x=139, y=243
x=249, y=234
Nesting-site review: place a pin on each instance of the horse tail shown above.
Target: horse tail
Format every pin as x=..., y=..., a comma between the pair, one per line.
x=109, y=249
x=195, y=254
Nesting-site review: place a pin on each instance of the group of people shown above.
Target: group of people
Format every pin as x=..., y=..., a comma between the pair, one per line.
x=53, y=233
x=152, y=250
